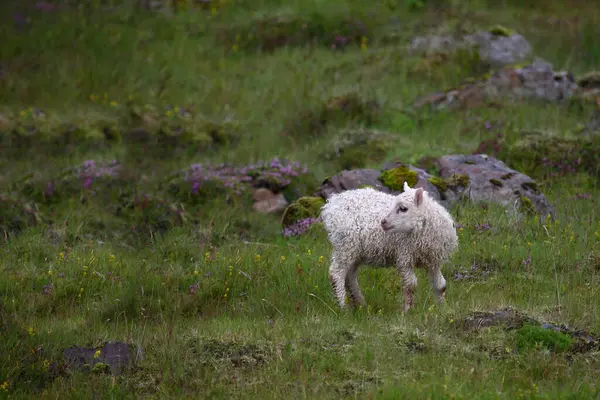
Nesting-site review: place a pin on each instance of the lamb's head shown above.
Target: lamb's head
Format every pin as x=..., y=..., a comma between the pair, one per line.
x=407, y=213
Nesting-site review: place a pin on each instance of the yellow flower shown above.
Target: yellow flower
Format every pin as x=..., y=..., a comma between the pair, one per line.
x=50, y=272
x=111, y=258
x=282, y=258
x=235, y=48
x=321, y=258
x=97, y=353
x=4, y=386
x=114, y=103
x=309, y=252
x=31, y=331
x=528, y=243
x=196, y=272
x=46, y=364
x=92, y=97
x=169, y=113
x=257, y=257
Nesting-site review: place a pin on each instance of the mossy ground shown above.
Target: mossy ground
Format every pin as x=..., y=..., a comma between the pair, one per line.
x=219, y=304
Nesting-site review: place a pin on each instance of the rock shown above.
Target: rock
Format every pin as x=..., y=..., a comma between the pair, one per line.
x=508, y=317
x=537, y=80
x=499, y=50
x=351, y=179
x=390, y=179
x=267, y=202
x=533, y=81
x=490, y=179
x=418, y=178
x=497, y=47
x=113, y=356
x=304, y=208
x=589, y=80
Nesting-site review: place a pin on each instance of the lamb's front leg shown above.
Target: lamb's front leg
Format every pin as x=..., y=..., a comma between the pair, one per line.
x=409, y=283
x=438, y=283
x=337, y=277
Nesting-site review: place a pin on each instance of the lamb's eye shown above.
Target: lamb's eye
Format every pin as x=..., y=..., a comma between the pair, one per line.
x=401, y=209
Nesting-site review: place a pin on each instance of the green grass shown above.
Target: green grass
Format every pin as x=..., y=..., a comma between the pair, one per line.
x=221, y=305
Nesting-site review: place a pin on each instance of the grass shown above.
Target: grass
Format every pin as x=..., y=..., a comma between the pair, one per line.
x=218, y=303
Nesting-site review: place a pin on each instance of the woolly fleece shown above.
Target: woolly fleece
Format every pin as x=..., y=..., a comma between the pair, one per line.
x=423, y=236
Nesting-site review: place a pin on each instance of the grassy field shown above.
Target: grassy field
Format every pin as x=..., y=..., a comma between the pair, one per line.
x=214, y=301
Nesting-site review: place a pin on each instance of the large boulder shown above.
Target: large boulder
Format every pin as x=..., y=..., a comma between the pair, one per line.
x=492, y=180
x=473, y=177
x=351, y=179
x=497, y=47
x=535, y=81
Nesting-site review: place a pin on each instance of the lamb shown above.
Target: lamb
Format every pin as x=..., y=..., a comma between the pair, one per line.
x=376, y=229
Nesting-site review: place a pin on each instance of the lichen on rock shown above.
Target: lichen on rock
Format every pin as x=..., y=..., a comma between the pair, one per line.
x=304, y=207
x=396, y=177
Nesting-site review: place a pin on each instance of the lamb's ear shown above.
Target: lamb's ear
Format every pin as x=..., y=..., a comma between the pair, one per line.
x=406, y=187
x=419, y=197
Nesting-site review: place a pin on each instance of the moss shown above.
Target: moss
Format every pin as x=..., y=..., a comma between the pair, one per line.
x=394, y=178
x=496, y=182
x=458, y=180
x=304, y=207
x=530, y=186
x=530, y=337
x=499, y=30
x=543, y=156
x=506, y=177
x=366, y=187
x=100, y=368
x=526, y=205
x=440, y=183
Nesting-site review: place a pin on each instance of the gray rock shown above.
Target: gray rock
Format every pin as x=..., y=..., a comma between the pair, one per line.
x=351, y=179
x=491, y=180
x=495, y=50
x=267, y=202
x=357, y=178
x=537, y=80
x=115, y=355
x=499, y=51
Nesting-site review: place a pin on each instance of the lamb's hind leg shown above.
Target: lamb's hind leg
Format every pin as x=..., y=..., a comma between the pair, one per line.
x=438, y=283
x=337, y=276
x=352, y=286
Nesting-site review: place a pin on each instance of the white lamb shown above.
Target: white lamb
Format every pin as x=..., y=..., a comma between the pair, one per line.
x=369, y=227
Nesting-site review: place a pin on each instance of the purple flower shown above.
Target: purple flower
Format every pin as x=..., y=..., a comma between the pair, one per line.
x=299, y=227
x=87, y=183
x=48, y=288
x=45, y=6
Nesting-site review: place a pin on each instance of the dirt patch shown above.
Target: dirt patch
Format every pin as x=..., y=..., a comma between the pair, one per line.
x=216, y=352
x=510, y=318
x=478, y=270
x=532, y=332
